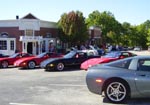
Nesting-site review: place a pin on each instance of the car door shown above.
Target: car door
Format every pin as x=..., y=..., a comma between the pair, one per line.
x=142, y=79
x=12, y=60
x=82, y=57
x=77, y=59
x=71, y=60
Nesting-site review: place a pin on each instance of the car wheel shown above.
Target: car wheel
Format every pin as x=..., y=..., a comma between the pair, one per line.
x=60, y=66
x=4, y=64
x=116, y=91
x=31, y=65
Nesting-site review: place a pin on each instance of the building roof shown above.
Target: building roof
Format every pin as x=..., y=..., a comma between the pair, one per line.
x=29, y=16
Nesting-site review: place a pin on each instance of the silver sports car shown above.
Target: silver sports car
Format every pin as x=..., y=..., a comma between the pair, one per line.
x=122, y=79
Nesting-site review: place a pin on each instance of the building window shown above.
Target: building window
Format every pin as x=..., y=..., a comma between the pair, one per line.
x=4, y=34
x=11, y=45
x=3, y=45
x=48, y=35
x=29, y=32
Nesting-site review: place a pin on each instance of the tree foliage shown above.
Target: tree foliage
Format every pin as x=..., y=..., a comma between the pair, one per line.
x=73, y=26
x=108, y=24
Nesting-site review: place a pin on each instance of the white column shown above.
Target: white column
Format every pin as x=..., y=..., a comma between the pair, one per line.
x=39, y=47
x=25, y=46
x=23, y=50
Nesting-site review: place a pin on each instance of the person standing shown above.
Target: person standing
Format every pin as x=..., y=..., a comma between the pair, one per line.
x=52, y=48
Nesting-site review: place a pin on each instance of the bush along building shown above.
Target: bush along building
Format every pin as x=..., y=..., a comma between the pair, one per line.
x=27, y=34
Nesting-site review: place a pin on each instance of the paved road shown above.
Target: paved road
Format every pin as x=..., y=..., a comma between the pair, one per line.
x=36, y=87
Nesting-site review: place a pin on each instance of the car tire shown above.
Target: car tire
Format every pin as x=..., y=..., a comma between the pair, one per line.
x=4, y=64
x=31, y=64
x=116, y=91
x=60, y=66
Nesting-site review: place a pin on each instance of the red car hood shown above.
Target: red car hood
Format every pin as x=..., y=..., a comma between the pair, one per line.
x=25, y=59
x=91, y=62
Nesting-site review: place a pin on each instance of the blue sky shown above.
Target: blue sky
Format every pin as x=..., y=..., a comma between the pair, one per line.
x=132, y=11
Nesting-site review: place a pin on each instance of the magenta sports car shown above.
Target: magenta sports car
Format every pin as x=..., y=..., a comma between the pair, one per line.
x=109, y=57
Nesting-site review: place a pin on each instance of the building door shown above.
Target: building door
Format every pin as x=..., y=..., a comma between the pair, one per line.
x=29, y=47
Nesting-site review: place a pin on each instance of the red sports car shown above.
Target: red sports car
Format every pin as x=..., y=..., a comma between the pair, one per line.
x=112, y=56
x=32, y=62
x=6, y=61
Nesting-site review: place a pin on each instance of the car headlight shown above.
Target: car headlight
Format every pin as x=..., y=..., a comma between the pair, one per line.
x=51, y=65
x=90, y=65
x=24, y=63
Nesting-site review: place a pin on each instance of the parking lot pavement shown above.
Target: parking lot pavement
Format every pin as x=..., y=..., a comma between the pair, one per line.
x=37, y=87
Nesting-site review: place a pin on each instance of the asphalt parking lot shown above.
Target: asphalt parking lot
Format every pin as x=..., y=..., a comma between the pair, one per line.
x=37, y=87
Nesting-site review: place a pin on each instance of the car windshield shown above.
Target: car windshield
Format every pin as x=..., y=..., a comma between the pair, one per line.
x=112, y=55
x=14, y=55
x=70, y=54
x=41, y=55
x=122, y=63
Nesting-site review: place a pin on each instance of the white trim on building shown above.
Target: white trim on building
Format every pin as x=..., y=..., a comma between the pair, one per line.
x=10, y=47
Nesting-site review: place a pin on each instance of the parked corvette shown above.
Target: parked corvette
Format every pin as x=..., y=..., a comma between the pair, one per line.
x=6, y=61
x=121, y=79
x=73, y=58
x=32, y=62
x=109, y=57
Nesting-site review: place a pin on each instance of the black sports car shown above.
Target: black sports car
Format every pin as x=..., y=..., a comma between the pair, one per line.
x=73, y=58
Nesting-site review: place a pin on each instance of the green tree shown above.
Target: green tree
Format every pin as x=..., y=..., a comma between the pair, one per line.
x=124, y=36
x=141, y=35
x=108, y=24
x=127, y=34
x=146, y=26
x=146, y=33
x=148, y=38
x=73, y=26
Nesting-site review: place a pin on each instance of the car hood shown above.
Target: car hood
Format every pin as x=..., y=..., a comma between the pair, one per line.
x=24, y=59
x=49, y=60
x=95, y=61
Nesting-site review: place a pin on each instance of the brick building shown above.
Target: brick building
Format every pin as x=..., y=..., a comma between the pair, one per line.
x=27, y=34
x=95, y=35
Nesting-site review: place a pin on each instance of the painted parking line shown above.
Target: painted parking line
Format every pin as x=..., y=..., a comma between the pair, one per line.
x=67, y=85
x=22, y=104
